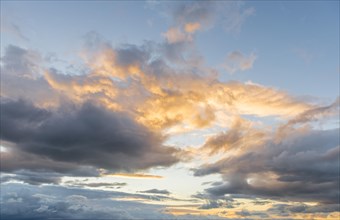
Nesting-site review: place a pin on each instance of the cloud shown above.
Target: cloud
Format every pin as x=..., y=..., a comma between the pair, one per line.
x=231, y=15
x=134, y=175
x=13, y=29
x=304, y=55
x=192, y=27
x=87, y=135
x=33, y=178
x=202, y=12
x=236, y=61
x=113, y=185
x=140, y=82
x=22, y=62
x=302, y=167
x=22, y=76
x=189, y=17
x=20, y=201
x=175, y=35
x=240, y=134
x=311, y=115
x=280, y=209
x=156, y=191
x=236, y=16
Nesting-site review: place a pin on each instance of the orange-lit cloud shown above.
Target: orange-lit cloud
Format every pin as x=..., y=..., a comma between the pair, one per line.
x=162, y=97
x=192, y=27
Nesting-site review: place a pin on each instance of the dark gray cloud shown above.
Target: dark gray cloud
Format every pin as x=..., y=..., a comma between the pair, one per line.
x=33, y=178
x=256, y=214
x=212, y=204
x=157, y=191
x=285, y=209
x=302, y=167
x=73, y=136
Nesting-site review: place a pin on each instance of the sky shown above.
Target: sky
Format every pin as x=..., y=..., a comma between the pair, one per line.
x=170, y=110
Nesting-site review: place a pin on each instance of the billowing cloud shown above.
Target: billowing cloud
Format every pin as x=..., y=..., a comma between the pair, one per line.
x=86, y=135
x=133, y=80
x=302, y=167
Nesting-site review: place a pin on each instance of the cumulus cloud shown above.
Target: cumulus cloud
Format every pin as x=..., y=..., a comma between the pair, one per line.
x=86, y=135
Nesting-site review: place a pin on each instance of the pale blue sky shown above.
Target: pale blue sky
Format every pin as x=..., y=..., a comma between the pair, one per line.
x=296, y=43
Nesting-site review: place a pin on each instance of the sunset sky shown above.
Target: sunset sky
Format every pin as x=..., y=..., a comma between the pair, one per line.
x=170, y=110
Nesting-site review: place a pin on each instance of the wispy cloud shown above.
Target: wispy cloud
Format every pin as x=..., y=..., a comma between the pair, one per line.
x=135, y=175
x=13, y=29
x=237, y=61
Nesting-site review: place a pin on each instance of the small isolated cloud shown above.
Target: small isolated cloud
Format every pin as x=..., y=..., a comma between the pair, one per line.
x=237, y=61
x=157, y=191
x=189, y=17
x=176, y=35
x=304, y=55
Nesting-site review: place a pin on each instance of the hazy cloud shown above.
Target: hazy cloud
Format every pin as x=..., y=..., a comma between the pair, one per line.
x=236, y=61
x=13, y=29
x=60, y=202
